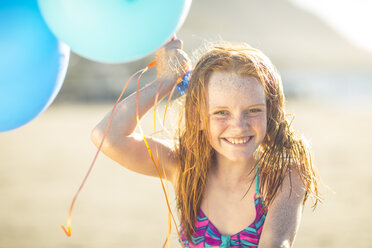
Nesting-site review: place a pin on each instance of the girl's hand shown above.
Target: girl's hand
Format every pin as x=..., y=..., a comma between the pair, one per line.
x=171, y=60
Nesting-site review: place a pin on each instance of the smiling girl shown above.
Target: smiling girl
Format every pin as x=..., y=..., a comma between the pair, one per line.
x=240, y=173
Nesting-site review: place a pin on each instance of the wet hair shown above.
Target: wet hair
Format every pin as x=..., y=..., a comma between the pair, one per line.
x=280, y=152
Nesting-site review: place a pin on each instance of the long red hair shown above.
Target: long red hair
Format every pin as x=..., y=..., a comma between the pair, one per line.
x=280, y=150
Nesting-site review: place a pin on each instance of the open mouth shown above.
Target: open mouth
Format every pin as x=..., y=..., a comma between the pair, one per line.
x=238, y=141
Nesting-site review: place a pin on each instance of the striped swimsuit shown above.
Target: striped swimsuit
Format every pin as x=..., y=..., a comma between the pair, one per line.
x=207, y=235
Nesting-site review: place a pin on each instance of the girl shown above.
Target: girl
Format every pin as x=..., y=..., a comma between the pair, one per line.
x=240, y=173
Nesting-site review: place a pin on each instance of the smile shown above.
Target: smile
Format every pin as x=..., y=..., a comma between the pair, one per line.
x=238, y=141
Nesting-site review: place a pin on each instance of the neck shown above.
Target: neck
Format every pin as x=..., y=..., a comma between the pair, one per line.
x=231, y=173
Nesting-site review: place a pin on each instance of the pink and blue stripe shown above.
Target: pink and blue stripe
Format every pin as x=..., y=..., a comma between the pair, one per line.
x=207, y=235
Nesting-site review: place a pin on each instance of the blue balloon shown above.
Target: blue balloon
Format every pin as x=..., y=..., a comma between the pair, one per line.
x=33, y=63
x=114, y=31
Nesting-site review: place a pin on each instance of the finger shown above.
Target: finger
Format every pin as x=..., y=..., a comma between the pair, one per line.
x=174, y=44
x=182, y=61
x=184, y=58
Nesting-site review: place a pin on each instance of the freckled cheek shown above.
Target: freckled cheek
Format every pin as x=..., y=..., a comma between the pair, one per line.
x=259, y=124
x=263, y=127
x=216, y=128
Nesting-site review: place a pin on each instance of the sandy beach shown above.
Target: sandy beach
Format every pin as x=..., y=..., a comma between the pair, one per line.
x=43, y=163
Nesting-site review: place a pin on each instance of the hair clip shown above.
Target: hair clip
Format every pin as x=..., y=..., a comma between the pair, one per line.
x=183, y=83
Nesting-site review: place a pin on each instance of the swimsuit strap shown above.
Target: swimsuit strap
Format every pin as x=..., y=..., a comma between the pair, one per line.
x=257, y=181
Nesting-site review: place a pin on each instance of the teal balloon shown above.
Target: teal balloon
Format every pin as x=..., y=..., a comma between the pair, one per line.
x=33, y=63
x=114, y=31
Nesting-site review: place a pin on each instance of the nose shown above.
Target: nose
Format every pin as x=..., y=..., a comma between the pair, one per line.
x=239, y=123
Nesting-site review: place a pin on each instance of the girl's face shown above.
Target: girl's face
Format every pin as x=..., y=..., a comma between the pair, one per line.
x=237, y=115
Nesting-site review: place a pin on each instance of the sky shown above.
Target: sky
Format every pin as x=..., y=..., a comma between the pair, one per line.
x=351, y=18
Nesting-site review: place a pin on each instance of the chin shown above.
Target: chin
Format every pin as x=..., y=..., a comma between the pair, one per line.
x=239, y=158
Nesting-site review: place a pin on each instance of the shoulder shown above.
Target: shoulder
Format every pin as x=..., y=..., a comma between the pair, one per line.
x=292, y=186
x=289, y=199
x=285, y=211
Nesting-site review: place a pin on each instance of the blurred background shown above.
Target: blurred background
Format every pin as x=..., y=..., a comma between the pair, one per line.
x=323, y=52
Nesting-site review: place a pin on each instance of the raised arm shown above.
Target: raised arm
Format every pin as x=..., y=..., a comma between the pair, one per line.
x=120, y=143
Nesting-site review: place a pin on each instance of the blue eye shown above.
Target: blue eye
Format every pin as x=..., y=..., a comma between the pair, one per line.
x=221, y=112
x=255, y=110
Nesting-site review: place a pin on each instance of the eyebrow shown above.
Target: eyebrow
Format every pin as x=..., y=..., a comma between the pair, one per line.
x=250, y=106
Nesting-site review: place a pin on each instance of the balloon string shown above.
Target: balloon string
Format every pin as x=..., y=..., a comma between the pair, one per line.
x=165, y=190
x=157, y=154
x=169, y=98
x=149, y=150
x=165, y=175
x=169, y=213
x=68, y=229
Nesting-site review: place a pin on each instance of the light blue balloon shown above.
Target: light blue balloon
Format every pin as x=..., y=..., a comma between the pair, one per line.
x=33, y=63
x=114, y=31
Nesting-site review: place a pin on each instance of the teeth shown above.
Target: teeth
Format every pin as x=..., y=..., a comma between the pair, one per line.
x=238, y=140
